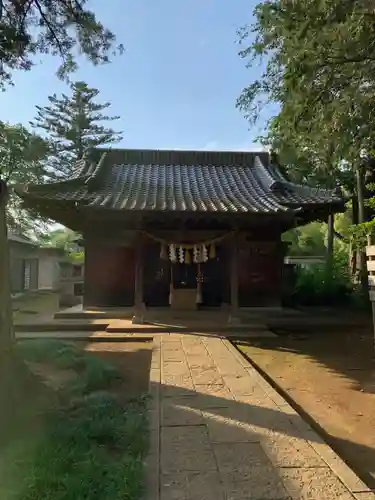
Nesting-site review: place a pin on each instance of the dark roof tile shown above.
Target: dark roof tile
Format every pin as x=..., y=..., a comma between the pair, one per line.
x=179, y=181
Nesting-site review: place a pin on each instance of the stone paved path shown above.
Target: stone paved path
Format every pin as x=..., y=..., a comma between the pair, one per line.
x=220, y=432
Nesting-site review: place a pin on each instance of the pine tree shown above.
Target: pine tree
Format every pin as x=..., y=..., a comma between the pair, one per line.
x=62, y=28
x=74, y=124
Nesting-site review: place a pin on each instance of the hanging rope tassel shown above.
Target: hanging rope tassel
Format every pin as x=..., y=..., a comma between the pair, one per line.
x=204, y=253
x=172, y=253
x=196, y=254
x=181, y=255
x=212, y=254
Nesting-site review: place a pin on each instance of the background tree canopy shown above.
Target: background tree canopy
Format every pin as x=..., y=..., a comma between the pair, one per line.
x=319, y=66
x=23, y=158
x=73, y=124
x=61, y=28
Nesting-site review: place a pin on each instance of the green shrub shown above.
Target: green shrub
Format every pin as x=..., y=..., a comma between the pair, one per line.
x=319, y=285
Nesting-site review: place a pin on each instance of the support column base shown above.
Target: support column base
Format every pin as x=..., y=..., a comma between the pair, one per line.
x=234, y=319
x=139, y=314
x=137, y=319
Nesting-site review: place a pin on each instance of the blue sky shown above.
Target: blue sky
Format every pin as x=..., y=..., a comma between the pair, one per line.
x=175, y=86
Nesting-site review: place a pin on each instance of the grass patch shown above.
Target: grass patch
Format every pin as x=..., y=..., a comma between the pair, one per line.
x=90, y=444
x=34, y=303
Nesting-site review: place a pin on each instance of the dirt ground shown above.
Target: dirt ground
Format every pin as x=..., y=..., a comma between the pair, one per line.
x=330, y=376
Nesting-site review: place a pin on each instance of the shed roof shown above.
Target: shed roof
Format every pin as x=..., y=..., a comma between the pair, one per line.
x=24, y=240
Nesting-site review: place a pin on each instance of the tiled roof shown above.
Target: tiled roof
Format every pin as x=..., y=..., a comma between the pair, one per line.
x=17, y=238
x=182, y=181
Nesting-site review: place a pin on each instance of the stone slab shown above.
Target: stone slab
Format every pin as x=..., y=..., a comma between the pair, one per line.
x=219, y=431
x=213, y=396
x=319, y=484
x=186, y=449
x=191, y=486
x=181, y=412
x=226, y=425
x=262, y=483
x=286, y=451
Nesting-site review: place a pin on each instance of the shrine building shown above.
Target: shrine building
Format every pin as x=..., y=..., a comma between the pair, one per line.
x=188, y=230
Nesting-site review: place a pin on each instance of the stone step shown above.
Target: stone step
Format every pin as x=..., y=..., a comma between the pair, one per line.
x=100, y=314
x=85, y=336
x=61, y=326
x=168, y=326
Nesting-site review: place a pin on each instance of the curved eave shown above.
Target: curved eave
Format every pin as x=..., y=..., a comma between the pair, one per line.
x=40, y=196
x=258, y=190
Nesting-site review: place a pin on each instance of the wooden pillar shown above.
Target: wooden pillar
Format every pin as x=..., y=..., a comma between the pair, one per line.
x=139, y=306
x=234, y=281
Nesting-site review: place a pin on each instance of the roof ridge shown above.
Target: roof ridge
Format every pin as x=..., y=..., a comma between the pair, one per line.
x=266, y=176
x=179, y=157
x=96, y=172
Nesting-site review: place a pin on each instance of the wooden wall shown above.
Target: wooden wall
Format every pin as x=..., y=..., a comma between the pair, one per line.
x=109, y=276
x=260, y=273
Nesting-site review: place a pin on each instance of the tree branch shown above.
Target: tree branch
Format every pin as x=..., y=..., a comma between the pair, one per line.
x=340, y=237
x=341, y=60
x=26, y=6
x=50, y=28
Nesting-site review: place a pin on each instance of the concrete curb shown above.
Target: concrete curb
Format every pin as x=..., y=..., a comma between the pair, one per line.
x=153, y=459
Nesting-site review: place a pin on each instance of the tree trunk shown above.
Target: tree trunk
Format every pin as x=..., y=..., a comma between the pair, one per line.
x=361, y=219
x=11, y=370
x=6, y=313
x=353, y=254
